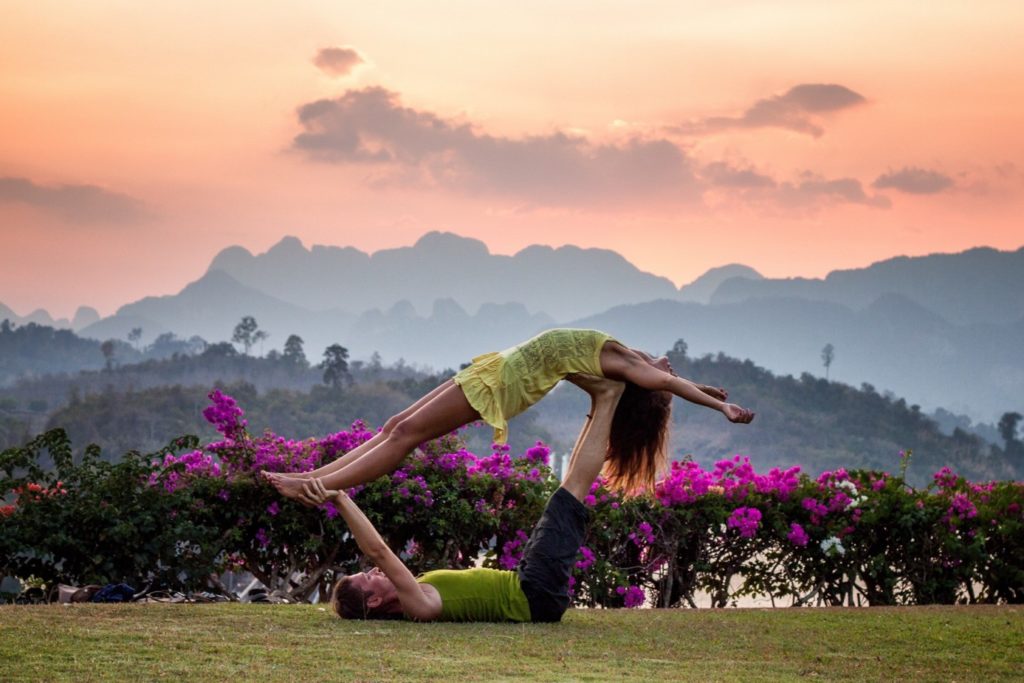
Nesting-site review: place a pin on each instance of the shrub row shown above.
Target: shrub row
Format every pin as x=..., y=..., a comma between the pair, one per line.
x=190, y=512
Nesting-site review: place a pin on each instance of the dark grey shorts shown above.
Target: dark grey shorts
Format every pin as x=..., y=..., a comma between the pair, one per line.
x=550, y=555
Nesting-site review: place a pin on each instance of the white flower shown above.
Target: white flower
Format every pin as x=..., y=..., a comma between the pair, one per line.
x=832, y=546
x=856, y=502
x=722, y=528
x=849, y=487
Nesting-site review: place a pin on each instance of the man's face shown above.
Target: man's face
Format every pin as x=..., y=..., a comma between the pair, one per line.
x=376, y=585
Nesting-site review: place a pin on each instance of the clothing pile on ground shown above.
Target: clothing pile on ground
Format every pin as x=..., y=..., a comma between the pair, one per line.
x=122, y=592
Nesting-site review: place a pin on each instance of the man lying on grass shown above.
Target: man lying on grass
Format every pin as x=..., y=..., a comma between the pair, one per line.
x=538, y=591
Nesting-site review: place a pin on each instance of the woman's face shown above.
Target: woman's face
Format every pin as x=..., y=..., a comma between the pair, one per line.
x=661, y=362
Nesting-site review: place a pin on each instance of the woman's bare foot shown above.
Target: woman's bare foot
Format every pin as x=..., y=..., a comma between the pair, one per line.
x=268, y=476
x=289, y=487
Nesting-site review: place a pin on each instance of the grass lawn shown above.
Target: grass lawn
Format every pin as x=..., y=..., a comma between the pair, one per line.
x=302, y=643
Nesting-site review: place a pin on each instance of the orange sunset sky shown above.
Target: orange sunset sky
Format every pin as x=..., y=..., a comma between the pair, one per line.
x=137, y=139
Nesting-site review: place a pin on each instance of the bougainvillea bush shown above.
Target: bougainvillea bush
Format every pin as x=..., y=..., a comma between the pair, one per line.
x=188, y=513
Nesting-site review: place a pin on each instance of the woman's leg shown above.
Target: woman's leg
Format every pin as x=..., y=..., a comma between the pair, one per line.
x=368, y=445
x=445, y=412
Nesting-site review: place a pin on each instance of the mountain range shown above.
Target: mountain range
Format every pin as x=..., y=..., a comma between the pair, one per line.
x=941, y=330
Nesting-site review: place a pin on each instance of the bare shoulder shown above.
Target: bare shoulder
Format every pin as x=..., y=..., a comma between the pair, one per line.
x=427, y=607
x=616, y=359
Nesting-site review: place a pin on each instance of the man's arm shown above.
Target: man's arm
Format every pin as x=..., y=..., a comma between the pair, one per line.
x=589, y=452
x=415, y=602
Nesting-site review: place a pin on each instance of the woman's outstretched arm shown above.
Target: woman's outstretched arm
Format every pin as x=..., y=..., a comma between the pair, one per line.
x=620, y=363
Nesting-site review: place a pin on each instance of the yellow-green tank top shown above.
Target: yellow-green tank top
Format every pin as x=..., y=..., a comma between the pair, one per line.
x=501, y=385
x=478, y=594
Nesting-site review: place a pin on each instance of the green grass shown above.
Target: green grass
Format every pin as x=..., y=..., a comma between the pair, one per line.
x=303, y=643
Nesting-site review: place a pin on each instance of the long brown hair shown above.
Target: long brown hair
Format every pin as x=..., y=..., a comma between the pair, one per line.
x=638, y=445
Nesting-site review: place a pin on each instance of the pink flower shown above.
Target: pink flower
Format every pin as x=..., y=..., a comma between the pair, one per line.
x=588, y=558
x=633, y=596
x=746, y=519
x=797, y=535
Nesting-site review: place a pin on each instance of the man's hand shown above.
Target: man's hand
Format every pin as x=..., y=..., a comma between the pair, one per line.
x=315, y=493
x=596, y=386
x=734, y=413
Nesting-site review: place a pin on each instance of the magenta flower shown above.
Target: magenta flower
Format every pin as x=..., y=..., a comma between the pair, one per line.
x=797, y=535
x=512, y=551
x=746, y=519
x=633, y=596
x=588, y=558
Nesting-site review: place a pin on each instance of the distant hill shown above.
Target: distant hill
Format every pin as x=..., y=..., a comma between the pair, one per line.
x=211, y=307
x=976, y=286
x=562, y=283
x=85, y=315
x=703, y=288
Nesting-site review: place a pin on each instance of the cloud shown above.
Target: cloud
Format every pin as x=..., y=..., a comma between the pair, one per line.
x=813, y=189
x=338, y=61
x=799, y=109
x=721, y=174
x=914, y=181
x=75, y=203
x=371, y=126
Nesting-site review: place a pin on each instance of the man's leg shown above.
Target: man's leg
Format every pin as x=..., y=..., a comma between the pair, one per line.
x=550, y=554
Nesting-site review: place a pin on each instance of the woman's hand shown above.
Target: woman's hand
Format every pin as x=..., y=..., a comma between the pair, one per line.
x=734, y=413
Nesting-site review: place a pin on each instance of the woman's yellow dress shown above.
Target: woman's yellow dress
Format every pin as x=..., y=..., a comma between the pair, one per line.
x=500, y=385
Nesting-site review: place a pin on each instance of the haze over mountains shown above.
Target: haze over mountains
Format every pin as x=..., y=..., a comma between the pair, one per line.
x=941, y=330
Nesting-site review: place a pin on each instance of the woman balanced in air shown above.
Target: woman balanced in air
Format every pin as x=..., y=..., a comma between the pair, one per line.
x=498, y=386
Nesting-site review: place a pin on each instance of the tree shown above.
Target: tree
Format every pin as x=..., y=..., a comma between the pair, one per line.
x=293, y=352
x=107, y=349
x=195, y=344
x=335, y=365
x=220, y=350
x=677, y=355
x=828, y=354
x=134, y=336
x=1008, y=430
x=375, y=365
x=247, y=333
